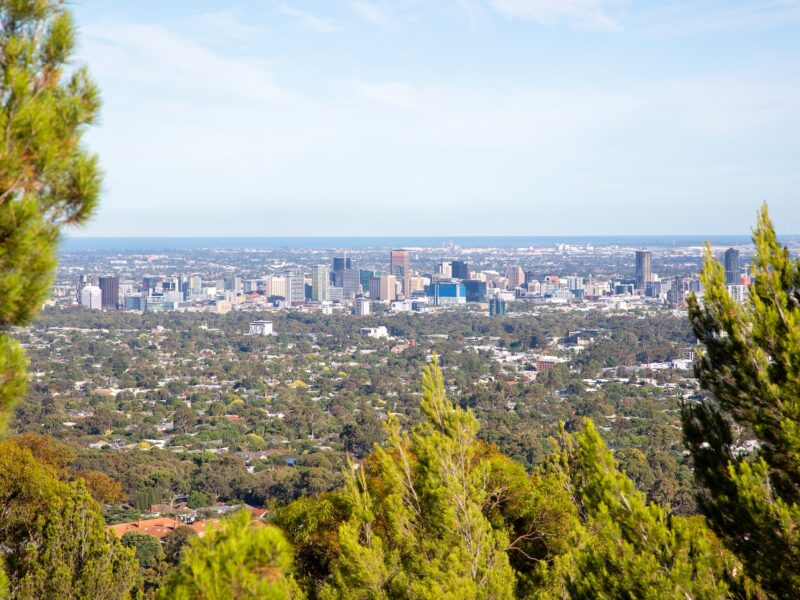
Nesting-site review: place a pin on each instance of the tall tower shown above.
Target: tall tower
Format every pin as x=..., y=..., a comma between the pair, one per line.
x=320, y=282
x=515, y=276
x=732, y=267
x=401, y=270
x=109, y=288
x=644, y=259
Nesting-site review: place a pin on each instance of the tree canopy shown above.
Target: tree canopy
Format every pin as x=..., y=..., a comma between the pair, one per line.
x=750, y=364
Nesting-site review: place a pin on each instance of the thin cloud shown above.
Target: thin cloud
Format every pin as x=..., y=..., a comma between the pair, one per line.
x=579, y=14
x=225, y=23
x=154, y=56
x=309, y=21
x=372, y=13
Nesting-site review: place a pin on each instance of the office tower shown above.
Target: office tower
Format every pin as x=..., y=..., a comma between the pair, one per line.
x=320, y=282
x=444, y=294
x=382, y=288
x=149, y=284
x=574, y=282
x=460, y=269
x=276, y=286
x=515, y=276
x=476, y=290
x=195, y=284
x=361, y=307
x=416, y=283
x=232, y=284
x=109, y=288
x=644, y=259
x=342, y=264
x=732, y=268
x=92, y=297
x=351, y=283
x=83, y=281
x=497, y=307
x=400, y=269
x=365, y=278
x=295, y=289
x=445, y=269
x=677, y=292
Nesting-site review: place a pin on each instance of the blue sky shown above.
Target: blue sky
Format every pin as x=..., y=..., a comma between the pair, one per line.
x=444, y=117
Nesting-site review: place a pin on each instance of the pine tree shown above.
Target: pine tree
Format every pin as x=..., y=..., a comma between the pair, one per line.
x=417, y=527
x=47, y=178
x=750, y=364
x=239, y=559
x=633, y=549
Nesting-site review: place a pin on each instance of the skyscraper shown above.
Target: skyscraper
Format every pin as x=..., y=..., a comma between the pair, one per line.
x=460, y=269
x=383, y=288
x=109, y=287
x=340, y=264
x=295, y=288
x=515, y=276
x=91, y=297
x=320, y=282
x=644, y=260
x=732, y=267
x=400, y=269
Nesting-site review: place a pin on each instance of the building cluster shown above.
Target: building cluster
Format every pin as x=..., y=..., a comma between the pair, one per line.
x=342, y=285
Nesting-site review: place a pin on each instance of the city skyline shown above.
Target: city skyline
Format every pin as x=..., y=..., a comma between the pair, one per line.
x=503, y=117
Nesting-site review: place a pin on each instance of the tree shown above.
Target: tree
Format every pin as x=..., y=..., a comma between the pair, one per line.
x=175, y=542
x=632, y=549
x=47, y=178
x=239, y=559
x=750, y=364
x=417, y=528
x=53, y=536
x=148, y=549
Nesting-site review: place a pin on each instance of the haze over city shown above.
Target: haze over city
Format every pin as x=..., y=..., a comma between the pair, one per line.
x=463, y=117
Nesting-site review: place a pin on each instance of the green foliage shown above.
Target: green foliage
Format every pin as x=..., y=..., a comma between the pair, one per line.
x=47, y=178
x=53, y=535
x=418, y=529
x=632, y=549
x=239, y=560
x=148, y=549
x=751, y=365
x=175, y=542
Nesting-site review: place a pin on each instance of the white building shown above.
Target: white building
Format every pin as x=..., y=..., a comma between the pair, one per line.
x=92, y=297
x=361, y=307
x=261, y=328
x=375, y=332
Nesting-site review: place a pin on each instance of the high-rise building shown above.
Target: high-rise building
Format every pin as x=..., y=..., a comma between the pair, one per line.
x=445, y=269
x=497, y=307
x=351, y=283
x=382, y=288
x=365, y=278
x=295, y=288
x=476, y=290
x=400, y=269
x=460, y=269
x=320, y=282
x=343, y=263
x=732, y=267
x=515, y=276
x=109, y=288
x=92, y=297
x=361, y=307
x=644, y=259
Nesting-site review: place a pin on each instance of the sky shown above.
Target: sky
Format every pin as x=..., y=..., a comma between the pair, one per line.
x=443, y=117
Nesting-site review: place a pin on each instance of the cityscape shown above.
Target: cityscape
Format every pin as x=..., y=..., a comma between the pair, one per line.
x=372, y=300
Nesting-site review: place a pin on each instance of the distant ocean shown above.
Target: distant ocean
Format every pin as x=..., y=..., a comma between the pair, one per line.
x=150, y=244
